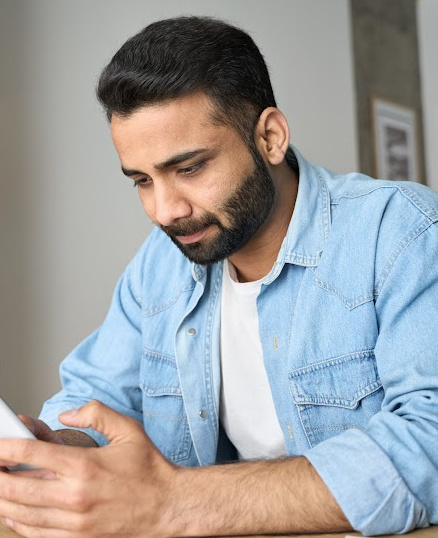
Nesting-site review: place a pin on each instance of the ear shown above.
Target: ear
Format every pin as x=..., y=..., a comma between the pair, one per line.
x=272, y=135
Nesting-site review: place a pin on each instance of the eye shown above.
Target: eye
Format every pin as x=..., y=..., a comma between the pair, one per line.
x=190, y=170
x=141, y=182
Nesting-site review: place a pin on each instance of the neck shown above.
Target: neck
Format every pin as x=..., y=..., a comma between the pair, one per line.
x=255, y=260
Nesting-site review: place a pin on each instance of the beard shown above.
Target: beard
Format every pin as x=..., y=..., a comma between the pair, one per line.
x=247, y=210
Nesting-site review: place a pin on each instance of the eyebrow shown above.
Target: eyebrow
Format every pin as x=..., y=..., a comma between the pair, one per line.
x=172, y=161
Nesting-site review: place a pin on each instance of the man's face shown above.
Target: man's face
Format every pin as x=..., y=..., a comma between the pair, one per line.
x=197, y=180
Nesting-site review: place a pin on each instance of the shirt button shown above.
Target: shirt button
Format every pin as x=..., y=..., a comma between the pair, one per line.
x=203, y=413
x=192, y=332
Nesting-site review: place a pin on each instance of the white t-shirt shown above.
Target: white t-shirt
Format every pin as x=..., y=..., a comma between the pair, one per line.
x=247, y=409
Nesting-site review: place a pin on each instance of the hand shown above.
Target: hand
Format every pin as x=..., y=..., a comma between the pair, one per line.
x=118, y=490
x=41, y=431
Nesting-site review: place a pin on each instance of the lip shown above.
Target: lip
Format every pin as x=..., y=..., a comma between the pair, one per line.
x=188, y=239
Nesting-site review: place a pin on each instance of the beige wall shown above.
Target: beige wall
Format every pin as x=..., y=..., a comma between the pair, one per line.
x=69, y=220
x=428, y=41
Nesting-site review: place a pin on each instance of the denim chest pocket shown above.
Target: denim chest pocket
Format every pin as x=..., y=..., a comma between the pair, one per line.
x=164, y=416
x=337, y=394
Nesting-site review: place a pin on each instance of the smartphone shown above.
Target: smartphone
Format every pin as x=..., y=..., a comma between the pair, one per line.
x=12, y=427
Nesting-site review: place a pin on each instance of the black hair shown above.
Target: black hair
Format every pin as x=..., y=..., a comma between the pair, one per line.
x=176, y=57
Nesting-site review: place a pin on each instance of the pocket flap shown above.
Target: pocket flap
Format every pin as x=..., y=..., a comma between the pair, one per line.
x=159, y=375
x=341, y=381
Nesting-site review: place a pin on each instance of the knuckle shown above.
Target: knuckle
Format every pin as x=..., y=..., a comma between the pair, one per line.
x=78, y=502
x=25, y=449
x=94, y=405
x=8, y=491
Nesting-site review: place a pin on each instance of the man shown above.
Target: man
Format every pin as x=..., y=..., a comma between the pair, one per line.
x=277, y=314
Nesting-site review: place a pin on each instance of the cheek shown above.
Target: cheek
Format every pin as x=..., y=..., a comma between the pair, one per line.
x=215, y=191
x=214, y=200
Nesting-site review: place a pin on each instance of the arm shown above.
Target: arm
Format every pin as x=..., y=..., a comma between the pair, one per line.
x=86, y=491
x=76, y=438
x=385, y=476
x=60, y=437
x=267, y=497
x=105, y=365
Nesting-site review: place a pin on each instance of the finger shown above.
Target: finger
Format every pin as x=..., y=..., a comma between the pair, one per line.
x=40, y=454
x=116, y=427
x=30, y=491
x=41, y=517
x=34, y=532
x=41, y=430
x=29, y=423
x=5, y=464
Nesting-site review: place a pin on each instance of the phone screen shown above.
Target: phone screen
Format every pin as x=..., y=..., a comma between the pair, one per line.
x=10, y=425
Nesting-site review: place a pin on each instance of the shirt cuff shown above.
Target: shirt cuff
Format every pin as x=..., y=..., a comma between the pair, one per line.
x=366, y=485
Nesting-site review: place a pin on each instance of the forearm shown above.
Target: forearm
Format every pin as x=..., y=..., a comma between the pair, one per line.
x=266, y=497
x=76, y=438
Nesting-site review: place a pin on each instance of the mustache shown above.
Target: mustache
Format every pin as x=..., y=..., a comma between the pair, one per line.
x=191, y=227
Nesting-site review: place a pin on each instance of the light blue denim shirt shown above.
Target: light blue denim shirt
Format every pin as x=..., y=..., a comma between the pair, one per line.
x=349, y=327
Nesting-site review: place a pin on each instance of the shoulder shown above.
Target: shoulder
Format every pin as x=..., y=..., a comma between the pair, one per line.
x=372, y=223
x=391, y=211
x=363, y=190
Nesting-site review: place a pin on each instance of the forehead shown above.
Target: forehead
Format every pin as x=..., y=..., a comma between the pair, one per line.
x=160, y=130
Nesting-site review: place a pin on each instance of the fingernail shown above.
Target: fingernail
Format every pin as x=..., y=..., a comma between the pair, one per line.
x=50, y=475
x=8, y=523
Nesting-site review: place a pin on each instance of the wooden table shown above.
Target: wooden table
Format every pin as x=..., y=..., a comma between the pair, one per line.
x=431, y=532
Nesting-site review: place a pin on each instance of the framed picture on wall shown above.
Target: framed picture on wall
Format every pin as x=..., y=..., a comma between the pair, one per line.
x=395, y=141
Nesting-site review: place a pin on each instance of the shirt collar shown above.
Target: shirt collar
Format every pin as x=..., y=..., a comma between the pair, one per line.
x=310, y=222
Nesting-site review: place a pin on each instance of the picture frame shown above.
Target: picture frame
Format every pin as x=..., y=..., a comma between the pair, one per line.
x=395, y=141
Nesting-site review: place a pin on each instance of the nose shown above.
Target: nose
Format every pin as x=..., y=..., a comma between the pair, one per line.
x=167, y=205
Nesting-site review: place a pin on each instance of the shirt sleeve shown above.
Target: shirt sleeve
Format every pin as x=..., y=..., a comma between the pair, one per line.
x=105, y=366
x=385, y=477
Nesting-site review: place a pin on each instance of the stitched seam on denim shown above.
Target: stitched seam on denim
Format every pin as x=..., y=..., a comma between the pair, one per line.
x=170, y=418
x=334, y=361
x=344, y=403
x=409, y=193
x=324, y=209
x=184, y=447
x=301, y=259
x=208, y=352
x=166, y=390
x=293, y=309
x=336, y=427
x=184, y=450
x=352, y=195
x=406, y=241
x=159, y=356
x=306, y=429
x=157, y=393
x=349, y=303
x=325, y=202
x=146, y=312
x=198, y=271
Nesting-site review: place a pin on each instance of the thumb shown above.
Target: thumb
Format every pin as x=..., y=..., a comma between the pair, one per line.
x=116, y=427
